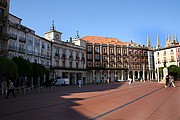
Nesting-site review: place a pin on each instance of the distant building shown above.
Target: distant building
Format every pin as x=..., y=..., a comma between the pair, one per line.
x=23, y=42
x=111, y=59
x=4, y=12
x=168, y=55
x=68, y=60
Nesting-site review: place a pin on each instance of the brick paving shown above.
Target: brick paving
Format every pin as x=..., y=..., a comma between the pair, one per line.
x=114, y=101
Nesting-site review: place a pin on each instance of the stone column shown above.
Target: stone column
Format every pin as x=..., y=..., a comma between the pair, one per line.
x=75, y=77
x=152, y=75
x=93, y=77
x=143, y=72
x=108, y=76
x=133, y=75
x=122, y=74
x=101, y=74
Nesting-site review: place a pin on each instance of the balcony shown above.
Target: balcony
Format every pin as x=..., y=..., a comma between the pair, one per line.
x=43, y=55
x=70, y=57
x=89, y=59
x=22, y=39
x=22, y=50
x=97, y=52
x=105, y=60
x=97, y=60
x=83, y=59
x=63, y=56
x=56, y=55
x=77, y=58
x=12, y=36
x=3, y=3
x=89, y=52
x=12, y=48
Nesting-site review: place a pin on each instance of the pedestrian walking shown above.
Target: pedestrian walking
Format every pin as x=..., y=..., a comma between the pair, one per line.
x=79, y=82
x=10, y=89
x=130, y=81
x=171, y=81
x=167, y=81
x=97, y=81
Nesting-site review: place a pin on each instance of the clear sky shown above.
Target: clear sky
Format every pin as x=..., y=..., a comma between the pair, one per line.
x=123, y=19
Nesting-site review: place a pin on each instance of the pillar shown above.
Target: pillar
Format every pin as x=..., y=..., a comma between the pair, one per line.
x=133, y=75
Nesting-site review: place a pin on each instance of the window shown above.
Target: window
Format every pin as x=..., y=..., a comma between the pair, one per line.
x=57, y=50
x=172, y=52
x=118, y=58
x=36, y=50
x=96, y=57
x=112, y=58
x=111, y=51
x=97, y=49
x=164, y=53
x=130, y=52
x=1, y=13
x=124, y=51
x=172, y=58
x=135, y=52
x=119, y=51
x=29, y=48
x=89, y=49
x=104, y=50
x=145, y=53
x=157, y=54
x=89, y=57
x=104, y=57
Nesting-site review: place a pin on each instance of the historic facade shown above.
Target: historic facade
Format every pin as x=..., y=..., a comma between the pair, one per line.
x=111, y=59
x=25, y=43
x=4, y=12
x=68, y=59
x=168, y=55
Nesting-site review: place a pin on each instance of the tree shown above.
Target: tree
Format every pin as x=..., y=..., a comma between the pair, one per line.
x=174, y=71
x=38, y=71
x=8, y=69
x=24, y=69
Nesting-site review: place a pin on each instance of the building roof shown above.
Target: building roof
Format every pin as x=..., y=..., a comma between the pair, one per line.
x=103, y=40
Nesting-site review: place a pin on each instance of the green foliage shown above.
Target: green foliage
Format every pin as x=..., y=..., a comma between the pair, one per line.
x=8, y=69
x=173, y=69
x=38, y=69
x=161, y=70
x=24, y=66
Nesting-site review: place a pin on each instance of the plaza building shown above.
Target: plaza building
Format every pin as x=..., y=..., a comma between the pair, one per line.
x=111, y=59
x=4, y=12
x=68, y=59
x=23, y=42
x=167, y=55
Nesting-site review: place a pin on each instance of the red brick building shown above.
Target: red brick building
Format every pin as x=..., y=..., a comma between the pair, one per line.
x=110, y=58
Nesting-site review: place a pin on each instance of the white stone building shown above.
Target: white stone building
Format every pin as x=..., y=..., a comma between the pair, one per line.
x=68, y=60
x=25, y=43
x=168, y=55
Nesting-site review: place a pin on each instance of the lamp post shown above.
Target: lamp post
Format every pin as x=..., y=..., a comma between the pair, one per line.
x=157, y=66
x=143, y=71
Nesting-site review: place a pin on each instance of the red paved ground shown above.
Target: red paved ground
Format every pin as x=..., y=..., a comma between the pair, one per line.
x=115, y=101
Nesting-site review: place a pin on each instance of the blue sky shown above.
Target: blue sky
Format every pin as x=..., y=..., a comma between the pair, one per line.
x=123, y=19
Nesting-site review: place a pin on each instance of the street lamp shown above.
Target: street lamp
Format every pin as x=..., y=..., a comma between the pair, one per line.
x=157, y=67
